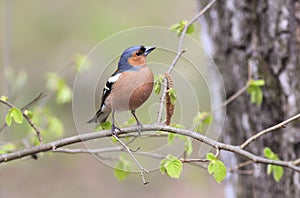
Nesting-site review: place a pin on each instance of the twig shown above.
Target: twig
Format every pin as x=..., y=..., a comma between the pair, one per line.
x=297, y=162
x=35, y=100
x=183, y=160
x=152, y=127
x=180, y=51
x=240, y=91
x=241, y=165
x=114, y=149
x=87, y=151
x=37, y=130
x=263, y=132
x=143, y=170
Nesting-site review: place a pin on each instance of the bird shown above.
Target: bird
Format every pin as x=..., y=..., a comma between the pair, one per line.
x=128, y=87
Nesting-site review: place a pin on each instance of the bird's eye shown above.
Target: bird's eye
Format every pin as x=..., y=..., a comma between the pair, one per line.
x=139, y=53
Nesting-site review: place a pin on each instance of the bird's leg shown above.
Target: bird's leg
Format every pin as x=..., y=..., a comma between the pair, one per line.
x=113, y=127
x=138, y=123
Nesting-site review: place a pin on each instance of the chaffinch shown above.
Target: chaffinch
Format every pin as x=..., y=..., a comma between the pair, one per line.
x=128, y=87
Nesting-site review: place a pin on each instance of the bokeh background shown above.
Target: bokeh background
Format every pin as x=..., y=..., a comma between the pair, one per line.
x=40, y=36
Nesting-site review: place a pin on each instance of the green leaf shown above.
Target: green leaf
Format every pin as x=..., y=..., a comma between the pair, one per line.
x=81, y=62
x=257, y=83
x=201, y=120
x=277, y=172
x=207, y=120
x=179, y=27
x=64, y=93
x=255, y=92
x=52, y=81
x=188, y=146
x=17, y=115
x=122, y=169
x=129, y=122
x=7, y=148
x=113, y=139
x=218, y=169
x=268, y=153
x=269, y=169
x=190, y=29
x=8, y=119
x=55, y=127
x=172, y=166
x=4, y=98
x=171, y=137
x=158, y=80
x=14, y=114
x=28, y=113
x=162, y=167
x=103, y=126
x=211, y=157
x=58, y=84
x=172, y=94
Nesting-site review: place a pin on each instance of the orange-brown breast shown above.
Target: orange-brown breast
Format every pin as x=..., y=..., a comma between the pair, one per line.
x=131, y=90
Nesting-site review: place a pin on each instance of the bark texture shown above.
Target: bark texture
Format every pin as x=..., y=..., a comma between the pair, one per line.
x=267, y=31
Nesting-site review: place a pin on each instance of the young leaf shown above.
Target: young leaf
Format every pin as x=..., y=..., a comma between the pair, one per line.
x=8, y=118
x=255, y=92
x=179, y=27
x=103, y=126
x=268, y=153
x=188, y=146
x=122, y=169
x=210, y=157
x=4, y=98
x=257, y=83
x=172, y=94
x=172, y=166
x=81, y=62
x=201, y=120
x=28, y=113
x=14, y=114
x=17, y=115
x=216, y=167
x=190, y=29
x=171, y=137
x=55, y=127
x=158, y=83
x=276, y=170
x=7, y=148
x=64, y=93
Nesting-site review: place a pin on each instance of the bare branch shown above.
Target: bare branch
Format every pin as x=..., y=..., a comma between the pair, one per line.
x=152, y=127
x=268, y=130
x=143, y=170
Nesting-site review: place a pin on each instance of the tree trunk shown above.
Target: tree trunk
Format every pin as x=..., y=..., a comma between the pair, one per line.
x=267, y=31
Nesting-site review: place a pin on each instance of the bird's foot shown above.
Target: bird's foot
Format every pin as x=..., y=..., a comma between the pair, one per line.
x=115, y=130
x=140, y=126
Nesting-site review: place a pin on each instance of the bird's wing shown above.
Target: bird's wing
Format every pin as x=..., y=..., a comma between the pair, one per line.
x=102, y=114
x=109, y=86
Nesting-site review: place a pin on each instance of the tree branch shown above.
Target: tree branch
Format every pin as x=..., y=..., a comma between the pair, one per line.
x=152, y=127
x=180, y=51
x=268, y=130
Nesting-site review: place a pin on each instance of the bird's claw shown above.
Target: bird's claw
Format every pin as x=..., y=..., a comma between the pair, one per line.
x=115, y=130
x=140, y=126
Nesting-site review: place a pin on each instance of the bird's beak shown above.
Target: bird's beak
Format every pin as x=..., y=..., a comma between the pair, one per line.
x=148, y=50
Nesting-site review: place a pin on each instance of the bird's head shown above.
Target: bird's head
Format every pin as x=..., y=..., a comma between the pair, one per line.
x=134, y=56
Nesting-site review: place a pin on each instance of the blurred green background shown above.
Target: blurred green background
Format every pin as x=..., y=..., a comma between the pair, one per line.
x=45, y=36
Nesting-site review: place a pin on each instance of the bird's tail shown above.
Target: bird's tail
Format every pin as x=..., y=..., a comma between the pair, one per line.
x=100, y=117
